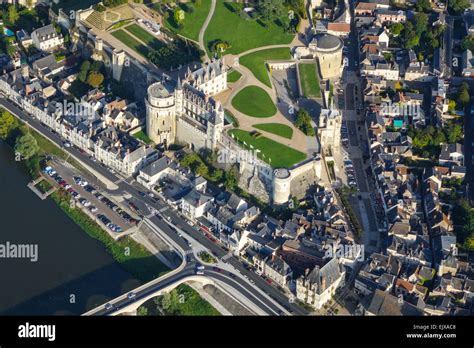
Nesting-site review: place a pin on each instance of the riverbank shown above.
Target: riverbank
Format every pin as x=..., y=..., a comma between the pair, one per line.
x=130, y=255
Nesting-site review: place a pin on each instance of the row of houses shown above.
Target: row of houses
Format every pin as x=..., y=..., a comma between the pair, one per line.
x=98, y=124
x=419, y=261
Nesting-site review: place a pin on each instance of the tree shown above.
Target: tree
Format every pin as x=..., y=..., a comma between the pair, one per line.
x=454, y=132
x=202, y=169
x=85, y=67
x=421, y=23
x=396, y=28
x=458, y=6
x=179, y=16
x=217, y=175
x=451, y=105
x=270, y=10
x=142, y=311
x=26, y=146
x=463, y=94
x=231, y=179
x=95, y=79
x=7, y=123
x=303, y=122
x=13, y=15
x=468, y=43
x=422, y=6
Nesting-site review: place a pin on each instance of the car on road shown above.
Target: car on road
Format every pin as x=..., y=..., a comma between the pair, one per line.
x=108, y=306
x=199, y=272
x=131, y=295
x=217, y=269
x=199, y=266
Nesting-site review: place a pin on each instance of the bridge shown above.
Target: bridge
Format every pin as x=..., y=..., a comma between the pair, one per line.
x=229, y=283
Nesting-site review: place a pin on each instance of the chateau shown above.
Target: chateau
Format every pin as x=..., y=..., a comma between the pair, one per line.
x=187, y=113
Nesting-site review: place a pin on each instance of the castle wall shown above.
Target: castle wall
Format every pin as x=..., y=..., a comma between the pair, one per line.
x=188, y=134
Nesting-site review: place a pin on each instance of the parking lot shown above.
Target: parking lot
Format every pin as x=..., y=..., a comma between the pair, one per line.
x=91, y=198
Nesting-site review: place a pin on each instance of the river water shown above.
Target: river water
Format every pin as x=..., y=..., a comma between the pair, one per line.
x=73, y=272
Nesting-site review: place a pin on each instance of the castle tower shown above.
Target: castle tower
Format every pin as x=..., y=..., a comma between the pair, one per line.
x=118, y=60
x=215, y=129
x=161, y=114
x=281, y=186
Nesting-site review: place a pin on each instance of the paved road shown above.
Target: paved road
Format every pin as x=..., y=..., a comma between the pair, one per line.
x=133, y=190
x=204, y=28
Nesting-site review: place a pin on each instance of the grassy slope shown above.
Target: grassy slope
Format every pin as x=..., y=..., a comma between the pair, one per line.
x=242, y=35
x=233, y=76
x=276, y=128
x=255, y=102
x=192, y=22
x=280, y=155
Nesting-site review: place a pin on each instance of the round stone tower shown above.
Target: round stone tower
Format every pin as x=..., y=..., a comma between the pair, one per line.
x=281, y=186
x=161, y=114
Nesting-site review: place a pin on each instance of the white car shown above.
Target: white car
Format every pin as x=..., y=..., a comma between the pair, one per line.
x=83, y=183
x=85, y=203
x=131, y=295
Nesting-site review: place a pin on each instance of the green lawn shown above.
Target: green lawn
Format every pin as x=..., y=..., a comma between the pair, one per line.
x=143, y=137
x=184, y=300
x=144, y=36
x=131, y=42
x=276, y=128
x=272, y=152
x=233, y=76
x=193, y=21
x=256, y=62
x=309, y=80
x=255, y=102
x=242, y=35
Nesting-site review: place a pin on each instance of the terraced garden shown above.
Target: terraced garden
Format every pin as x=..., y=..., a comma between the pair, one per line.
x=254, y=102
x=272, y=152
x=144, y=36
x=276, y=128
x=131, y=42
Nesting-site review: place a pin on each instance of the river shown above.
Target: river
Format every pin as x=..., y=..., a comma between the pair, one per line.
x=73, y=271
